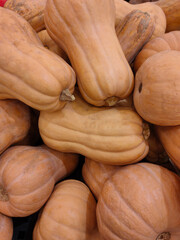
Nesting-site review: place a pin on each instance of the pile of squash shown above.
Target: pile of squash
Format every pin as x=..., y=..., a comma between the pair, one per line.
x=96, y=82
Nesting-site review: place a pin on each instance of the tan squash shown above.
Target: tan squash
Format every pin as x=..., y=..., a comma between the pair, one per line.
x=109, y=135
x=51, y=45
x=70, y=213
x=28, y=175
x=85, y=30
x=157, y=14
x=138, y=28
x=28, y=71
x=170, y=139
x=140, y=202
x=167, y=41
x=157, y=89
x=6, y=227
x=32, y=11
x=14, y=122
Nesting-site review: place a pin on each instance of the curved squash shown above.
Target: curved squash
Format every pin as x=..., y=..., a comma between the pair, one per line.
x=28, y=71
x=28, y=175
x=136, y=203
x=32, y=11
x=85, y=30
x=108, y=135
x=6, y=227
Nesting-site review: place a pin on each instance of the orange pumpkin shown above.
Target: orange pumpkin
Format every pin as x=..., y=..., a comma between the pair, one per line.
x=6, y=227
x=140, y=201
x=28, y=175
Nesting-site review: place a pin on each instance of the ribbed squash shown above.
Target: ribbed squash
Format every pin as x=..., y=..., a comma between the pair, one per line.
x=28, y=71
x=167, y=41
x=157, y=14
x=69, y=214
x=32, y=11
x=6, y=227
x=28, y=175
x=85, y=30
x=170, y=139
x=109, y=135
x=15, y=121
x=140, y=202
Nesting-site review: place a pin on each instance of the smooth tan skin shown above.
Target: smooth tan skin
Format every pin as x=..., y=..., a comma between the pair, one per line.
x=157, y=89
x=32, y=11
x=136, y=203
x=28, y=71
x=15, y=121
x=69, y=214
x=85, y=30
x=28, y=175
x=108, y=135
x=6, y=227
x=170, y=139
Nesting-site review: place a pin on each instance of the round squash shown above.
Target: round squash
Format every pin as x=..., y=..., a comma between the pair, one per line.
x=115, y=136
x=28, y=71
x=85, y=30
x=28, y=175
x=139, y=202
x=6, y=227
x=157, y=89
x=69, y=214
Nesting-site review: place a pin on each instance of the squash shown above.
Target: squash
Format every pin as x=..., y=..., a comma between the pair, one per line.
x=70, y=213
x=14, y=122
x=28, y=71
x=6, y=227
x=172, y=13
x=157, y=89
x=157, y=14
x=140, y=201
x=170, y=139
x=167, y=41
x=28, y=175
x=138, y=28
x=85, y=30
x=115, y=136
x=51, y=45
x=32, y=11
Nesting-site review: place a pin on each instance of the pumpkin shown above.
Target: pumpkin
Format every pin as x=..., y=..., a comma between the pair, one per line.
x=28, y=71
x=85, y=30
x=114, y=136
x=172, y=13
x=51, y=45
x=70, y=213
x=6, y=227
x=14, y=122
x=138, y=28
x=156, y=13
x=32, y=11
x=28, y=175
x=157, y=89
x=170, y=139
x=167, y=41
x=140, y=201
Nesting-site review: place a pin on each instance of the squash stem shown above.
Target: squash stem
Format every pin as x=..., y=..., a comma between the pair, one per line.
x=3, y=195
x=66, y=96
x=164, y=236
x=146, y=131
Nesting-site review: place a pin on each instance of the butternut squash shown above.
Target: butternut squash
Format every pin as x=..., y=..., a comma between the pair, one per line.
x=6, y=227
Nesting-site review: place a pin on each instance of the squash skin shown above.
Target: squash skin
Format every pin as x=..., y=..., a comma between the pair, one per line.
x=28, y=175
x=136, y=203
x=15, y=119
x=70, y=213
x=157, y=89
x=6, y=227
x=103, y=73
x=170, y=139
x=167, y=41
x=32, y=11
x=157, y=14
x=22, y=50
x=108, y=135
